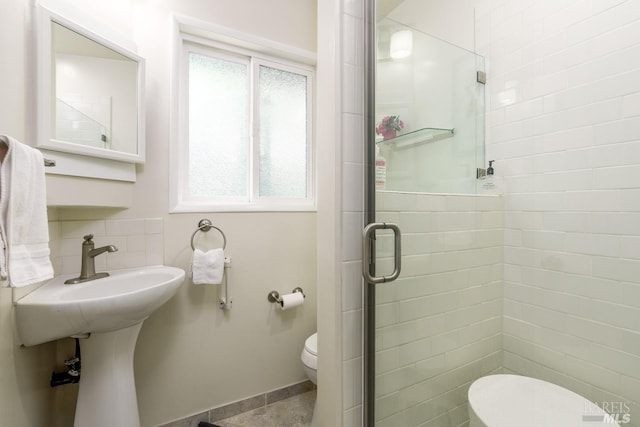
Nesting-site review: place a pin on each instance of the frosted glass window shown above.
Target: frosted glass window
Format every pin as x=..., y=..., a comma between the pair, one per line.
x=244, y=131
x=283, y=133
x=218, y=127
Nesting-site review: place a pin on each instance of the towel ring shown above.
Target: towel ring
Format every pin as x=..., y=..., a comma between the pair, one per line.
x=206, y=225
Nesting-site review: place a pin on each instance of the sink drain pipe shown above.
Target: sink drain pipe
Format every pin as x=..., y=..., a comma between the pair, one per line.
x=72, y=374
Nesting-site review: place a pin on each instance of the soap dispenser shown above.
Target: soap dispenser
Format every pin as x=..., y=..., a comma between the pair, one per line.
x=381, y=170
x=491, y=184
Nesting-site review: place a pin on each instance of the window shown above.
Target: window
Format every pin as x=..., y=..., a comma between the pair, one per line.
x=244, y=138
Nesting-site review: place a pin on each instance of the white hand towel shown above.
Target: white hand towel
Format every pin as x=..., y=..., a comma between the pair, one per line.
x=24, y=214
x=207, y=267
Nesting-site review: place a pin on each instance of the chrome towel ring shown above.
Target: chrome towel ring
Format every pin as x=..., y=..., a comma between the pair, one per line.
x=206, y=225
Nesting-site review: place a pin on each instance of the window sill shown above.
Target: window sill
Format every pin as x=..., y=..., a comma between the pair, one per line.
x=255, y=208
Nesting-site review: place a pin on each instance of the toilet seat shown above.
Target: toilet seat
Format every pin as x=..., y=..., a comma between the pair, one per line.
x=311, y=344
x=509, y=400
x=309, y=359
x=310, y=353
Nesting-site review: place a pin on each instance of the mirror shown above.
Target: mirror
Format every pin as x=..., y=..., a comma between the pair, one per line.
x=90, y=94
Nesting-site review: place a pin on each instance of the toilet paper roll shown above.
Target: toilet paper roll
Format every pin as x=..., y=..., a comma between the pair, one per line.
x=288, y=301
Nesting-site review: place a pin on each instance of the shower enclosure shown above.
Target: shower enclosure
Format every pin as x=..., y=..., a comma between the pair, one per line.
x=437, y=327
x=541, y=280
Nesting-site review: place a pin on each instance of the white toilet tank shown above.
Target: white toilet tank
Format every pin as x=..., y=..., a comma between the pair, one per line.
x=514, y=400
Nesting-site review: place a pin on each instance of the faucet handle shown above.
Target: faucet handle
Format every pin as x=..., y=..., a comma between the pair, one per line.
x=88, y=238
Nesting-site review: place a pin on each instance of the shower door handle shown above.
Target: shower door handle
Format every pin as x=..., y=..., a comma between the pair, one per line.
x=368, y=236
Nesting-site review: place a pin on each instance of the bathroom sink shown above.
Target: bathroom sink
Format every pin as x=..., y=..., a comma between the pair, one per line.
x=108, y=313
x=125, y=298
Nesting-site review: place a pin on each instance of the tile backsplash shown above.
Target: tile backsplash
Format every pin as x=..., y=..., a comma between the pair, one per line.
x=139, y=243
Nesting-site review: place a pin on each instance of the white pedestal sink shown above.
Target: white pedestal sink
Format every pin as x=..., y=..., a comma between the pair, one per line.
x=111, y=310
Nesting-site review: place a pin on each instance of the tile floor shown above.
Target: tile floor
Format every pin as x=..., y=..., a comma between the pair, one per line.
x=295, y=411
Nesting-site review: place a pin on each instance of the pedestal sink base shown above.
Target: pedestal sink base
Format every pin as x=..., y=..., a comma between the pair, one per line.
x=112, y=310
x=107, y=394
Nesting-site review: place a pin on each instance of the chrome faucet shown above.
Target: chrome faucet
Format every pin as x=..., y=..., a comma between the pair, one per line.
x=88, y=266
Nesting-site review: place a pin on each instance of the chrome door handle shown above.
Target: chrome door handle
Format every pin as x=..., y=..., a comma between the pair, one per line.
x=367, y=233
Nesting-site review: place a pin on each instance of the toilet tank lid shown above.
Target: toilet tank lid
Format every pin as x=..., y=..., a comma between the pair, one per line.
x=311, y=344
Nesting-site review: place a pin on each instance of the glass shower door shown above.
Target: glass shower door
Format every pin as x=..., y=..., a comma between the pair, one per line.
x=432, y=298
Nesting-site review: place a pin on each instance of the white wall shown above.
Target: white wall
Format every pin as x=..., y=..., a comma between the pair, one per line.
x=350, y=206
x=25, y=397
x=190, y=356
x=330, y=384
x=564, y=126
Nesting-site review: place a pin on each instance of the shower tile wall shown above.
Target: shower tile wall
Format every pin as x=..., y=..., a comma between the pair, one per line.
x=564, y=127
x=352, y=120
x=139, y=243
x=439, y=327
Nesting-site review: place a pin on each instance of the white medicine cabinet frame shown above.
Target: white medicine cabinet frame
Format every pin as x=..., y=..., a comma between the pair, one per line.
x=90, y=96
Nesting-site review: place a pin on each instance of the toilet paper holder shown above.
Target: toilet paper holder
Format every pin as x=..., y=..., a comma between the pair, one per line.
x=274, y=296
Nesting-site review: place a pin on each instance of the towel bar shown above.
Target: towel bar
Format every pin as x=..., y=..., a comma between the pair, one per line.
x=206, y=225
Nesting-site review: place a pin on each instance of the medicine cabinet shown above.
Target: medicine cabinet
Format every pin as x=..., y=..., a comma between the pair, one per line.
x=90, y=91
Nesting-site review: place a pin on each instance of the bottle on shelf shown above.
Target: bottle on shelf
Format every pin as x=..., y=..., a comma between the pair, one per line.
x=381, y=170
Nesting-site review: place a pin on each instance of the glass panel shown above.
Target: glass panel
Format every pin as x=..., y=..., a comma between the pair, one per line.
x=73, y=125
x=218, y=127
x=429, y=112
x=438, y=327
x=283, y=133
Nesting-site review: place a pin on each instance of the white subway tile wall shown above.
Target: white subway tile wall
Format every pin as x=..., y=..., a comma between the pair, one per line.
x=563, y=120
x=139, y=242
x=352, y=171
x=439, y=327
x=54, y=243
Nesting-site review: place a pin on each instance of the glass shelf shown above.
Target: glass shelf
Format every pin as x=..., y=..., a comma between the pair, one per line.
x=417, y=137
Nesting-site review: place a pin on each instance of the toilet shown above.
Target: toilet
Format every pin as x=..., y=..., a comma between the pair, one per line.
x=309, y=358
x=514, y=400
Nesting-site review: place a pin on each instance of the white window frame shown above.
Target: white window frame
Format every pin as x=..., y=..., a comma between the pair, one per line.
x=201, y=38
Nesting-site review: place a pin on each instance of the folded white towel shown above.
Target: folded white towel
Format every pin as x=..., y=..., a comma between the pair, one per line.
x=207, y=267
x=24, y=225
